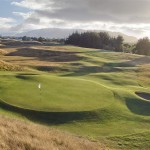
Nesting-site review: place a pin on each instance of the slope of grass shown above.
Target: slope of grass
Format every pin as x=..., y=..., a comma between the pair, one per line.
x=85, y=91
x=2, y=52
x=143, y=73
x=4, y=66
x=28, y=136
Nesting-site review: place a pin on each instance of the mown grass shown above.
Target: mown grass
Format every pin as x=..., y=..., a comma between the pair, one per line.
x=93, y=95
x=56, y=94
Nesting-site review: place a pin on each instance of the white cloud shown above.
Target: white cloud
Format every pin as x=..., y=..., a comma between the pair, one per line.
x=34, y=4
x=23, y=15
x=6, y=24
x=6, y=20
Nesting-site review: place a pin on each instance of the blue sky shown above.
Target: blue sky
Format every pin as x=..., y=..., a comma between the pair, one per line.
x=6, y=12
x=8, y=18
x=7, y=9
x=131, y=17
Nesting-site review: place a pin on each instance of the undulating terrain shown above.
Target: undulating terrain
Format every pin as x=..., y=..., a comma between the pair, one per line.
x=18, y=135
x=100, y=95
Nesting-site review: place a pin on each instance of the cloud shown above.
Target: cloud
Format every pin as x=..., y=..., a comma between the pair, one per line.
x=6, y=20
x=6, y=23
x=121, y=15
x=23, y=15
x=120, y=11
x=30, y=4
x=34, y=4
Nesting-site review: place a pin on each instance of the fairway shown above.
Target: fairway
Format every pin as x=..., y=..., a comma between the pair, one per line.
x=56, y=94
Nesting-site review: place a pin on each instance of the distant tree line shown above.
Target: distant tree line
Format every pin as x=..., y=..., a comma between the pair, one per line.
x=100, y=40
x=103, y=40
x=41, y=39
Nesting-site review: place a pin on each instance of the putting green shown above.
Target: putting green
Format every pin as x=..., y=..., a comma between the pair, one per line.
x=59, y=94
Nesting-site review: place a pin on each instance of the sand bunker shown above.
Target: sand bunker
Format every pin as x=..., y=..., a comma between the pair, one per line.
x=143, y=95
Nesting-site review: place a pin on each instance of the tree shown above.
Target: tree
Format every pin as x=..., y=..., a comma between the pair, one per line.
x=73, y=39
x=128, y=48
x=40, y=39
x=119, y=44
x=100, y=40
x=104, y=40
x=24, y=38
x=143, y=47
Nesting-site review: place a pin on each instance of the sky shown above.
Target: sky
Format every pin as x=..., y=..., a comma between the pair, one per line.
x=131, y=17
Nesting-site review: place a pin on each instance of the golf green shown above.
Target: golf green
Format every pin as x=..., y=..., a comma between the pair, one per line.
x=59, y=94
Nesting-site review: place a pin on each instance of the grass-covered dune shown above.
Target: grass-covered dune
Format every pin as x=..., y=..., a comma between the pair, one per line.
x=89, y=92
x=2, y=52
x=4, y=66
x=29, y=136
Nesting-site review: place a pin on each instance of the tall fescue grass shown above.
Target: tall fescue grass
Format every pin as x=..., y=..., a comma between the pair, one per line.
x=18, y=135
x=4, y=66
x=3, y=52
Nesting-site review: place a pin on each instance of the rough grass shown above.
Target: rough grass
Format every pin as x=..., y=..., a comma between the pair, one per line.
x=4, y=66
x=143, y=73
x=15, y=43
x=18, y=135
x=3, y=52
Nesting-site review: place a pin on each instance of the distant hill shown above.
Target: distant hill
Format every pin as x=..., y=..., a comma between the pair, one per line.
x=127, y=38
x=64, y=33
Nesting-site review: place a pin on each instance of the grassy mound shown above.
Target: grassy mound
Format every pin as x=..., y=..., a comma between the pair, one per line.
x=19, y=43
x=4, y=66
x=2, y=52
x=56, y=94
x=27, y=136
x=143, y=73
x=11, y=42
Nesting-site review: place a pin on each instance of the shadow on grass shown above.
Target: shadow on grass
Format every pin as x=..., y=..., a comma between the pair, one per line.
x=25, y=76
x=110, y=67
x=140, y=61
x=47, y=55
x=143, y=95
x=106, y=68
x=51, y=118
x=51, y=69
x=138, y=106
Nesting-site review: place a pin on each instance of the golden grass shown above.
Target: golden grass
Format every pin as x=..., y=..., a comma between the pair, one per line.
x=18, y=135
x=3, y=52
x=4, y=66
x=38, y=56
